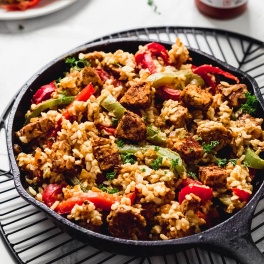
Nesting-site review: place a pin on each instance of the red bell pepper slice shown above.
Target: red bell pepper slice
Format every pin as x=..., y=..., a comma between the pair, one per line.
x=20, y=6
x=145, y=61
x=144, y=58
x=167, y=93
x=109, y=130
x=205, y=193
x=49, y=195
x=159, y=51
x=83, y=96
x=43, y=93
x=204, y=69
x=100, y=199
x=242, y=194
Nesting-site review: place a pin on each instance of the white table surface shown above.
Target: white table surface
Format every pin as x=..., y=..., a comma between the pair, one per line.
x=27, y=45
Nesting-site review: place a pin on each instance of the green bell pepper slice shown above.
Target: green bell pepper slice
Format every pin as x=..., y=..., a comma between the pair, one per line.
x=49, y=104
x=112, y=105
x=174, y=79
x=252, y=160
x=177, y=165
x=155, y=136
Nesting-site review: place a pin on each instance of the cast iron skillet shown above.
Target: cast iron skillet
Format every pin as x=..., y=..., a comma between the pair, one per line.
x=231, y=238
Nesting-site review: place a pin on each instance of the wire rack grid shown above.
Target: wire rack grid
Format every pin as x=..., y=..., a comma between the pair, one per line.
x=32, y=238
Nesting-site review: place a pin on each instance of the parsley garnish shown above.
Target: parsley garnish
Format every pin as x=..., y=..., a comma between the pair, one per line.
x=110, y=175
x=192, y=175
x=143, y=169
x=174, y=163
x=155, y=165
x=156, y=148
x=102, y=188
x=110, y=190
x=209, y=147
x=233, y=161
x=120, y=143
x=250, y=106
x=77, y=64
x=245, y=163
x=222, y=162
x=57, y=81
x=128, y=158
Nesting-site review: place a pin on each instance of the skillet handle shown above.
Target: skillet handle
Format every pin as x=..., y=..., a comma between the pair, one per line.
x=234, y=239
x=242, y=249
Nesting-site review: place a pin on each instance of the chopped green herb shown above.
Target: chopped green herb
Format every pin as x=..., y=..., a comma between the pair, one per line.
x=250, y=106
x=199, y=138
x=120, y=143
x=128, y=158
x=143, y=169
x=110, y=175
x=77, y=64
x=156, y=148
x=174, y=163
x=57, y=82
x=191, y=149
x=245, y=163
x=209, y=147
x=233, y=161
x=221, y=162
x=102, y=188
x=70, y=61
x=155, y=165
x=112, y=190
x=192, y=175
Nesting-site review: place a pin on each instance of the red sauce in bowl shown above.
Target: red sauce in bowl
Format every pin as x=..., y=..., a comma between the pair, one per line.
x=224, y=9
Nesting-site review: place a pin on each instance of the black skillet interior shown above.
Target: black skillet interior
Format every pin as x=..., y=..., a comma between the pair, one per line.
x=210, y=238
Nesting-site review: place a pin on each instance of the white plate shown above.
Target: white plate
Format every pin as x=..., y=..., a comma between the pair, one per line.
x=44, y=7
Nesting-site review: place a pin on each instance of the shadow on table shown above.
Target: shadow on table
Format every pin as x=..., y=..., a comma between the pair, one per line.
x=32, y=24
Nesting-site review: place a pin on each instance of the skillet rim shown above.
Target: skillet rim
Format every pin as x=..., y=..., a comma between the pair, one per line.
x=60, y=220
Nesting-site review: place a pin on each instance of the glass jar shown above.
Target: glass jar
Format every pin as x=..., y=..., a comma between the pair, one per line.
x=223, y=9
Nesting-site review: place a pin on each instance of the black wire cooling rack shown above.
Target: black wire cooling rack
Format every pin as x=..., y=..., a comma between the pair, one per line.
x=32, y=238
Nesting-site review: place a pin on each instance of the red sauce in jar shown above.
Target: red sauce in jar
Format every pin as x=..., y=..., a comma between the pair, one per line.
x=223, y=9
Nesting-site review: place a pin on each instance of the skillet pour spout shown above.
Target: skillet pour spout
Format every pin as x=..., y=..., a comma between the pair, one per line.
x=232, y=237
